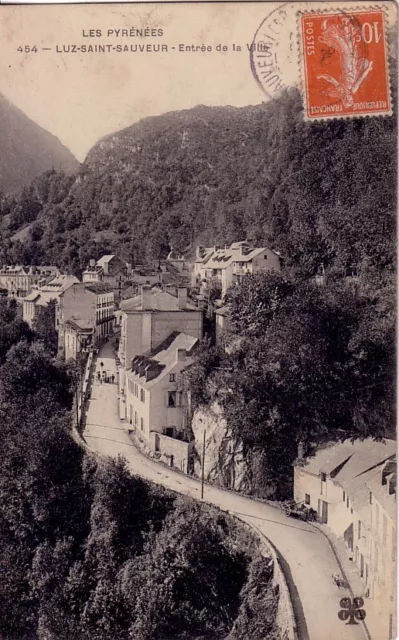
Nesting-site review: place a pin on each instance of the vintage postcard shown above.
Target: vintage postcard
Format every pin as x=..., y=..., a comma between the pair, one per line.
x=198, y=214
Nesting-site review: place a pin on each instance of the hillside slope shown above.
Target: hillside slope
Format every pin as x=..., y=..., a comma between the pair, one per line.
x=319, y=192
x=27, y=149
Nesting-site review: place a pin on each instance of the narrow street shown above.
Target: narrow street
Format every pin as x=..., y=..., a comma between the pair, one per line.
x=308, y=560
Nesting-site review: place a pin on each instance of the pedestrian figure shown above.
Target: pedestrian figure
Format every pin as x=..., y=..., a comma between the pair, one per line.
x=98, y=375
x=101, y=380
x=112, y=378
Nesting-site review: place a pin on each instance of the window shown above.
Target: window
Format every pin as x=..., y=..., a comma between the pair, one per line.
x=142, y=424
x=142, y=395
x=265, y=257
x=347, y=503
x=324, y=477
x=171, y=398
x=359, y=529
x=307, y=498
x=135, y=418
x=371, y=498
x=343, y=496
x=172, y=377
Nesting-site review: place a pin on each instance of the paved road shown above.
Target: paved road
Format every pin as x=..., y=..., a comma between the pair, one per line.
x=307, y=556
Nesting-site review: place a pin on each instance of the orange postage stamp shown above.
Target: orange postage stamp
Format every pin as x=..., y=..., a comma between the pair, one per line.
x=344, y=59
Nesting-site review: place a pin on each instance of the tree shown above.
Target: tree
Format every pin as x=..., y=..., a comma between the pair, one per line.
x=44, y=326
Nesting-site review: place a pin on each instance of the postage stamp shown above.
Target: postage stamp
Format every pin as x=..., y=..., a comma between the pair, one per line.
x=344, y=63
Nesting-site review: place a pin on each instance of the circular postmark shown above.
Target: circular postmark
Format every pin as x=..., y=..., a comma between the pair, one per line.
x=273, y=52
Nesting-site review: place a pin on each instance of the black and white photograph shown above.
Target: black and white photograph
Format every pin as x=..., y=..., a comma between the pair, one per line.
x=198, y=210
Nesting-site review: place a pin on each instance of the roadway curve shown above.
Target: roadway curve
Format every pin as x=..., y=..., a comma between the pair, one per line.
x=306, y=557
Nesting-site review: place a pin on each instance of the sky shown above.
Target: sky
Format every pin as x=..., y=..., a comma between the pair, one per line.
x=80, y=97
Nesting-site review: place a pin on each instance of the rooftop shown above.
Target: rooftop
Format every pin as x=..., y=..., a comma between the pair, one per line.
x=150, y=369
x=159, y=301
x=223, y=311
x=42, y=298
x=105, y=259
x=59, y=283
x=28, y=270
x=78, y=328
x=220, y=258
x=98, y=287
x=346, y=460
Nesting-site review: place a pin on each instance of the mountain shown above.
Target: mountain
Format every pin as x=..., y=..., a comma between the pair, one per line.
x=320, y=192
x=27, y=149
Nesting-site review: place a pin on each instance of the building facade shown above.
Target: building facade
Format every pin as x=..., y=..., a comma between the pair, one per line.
x=156, y=405
x=20, y=280
x=224, y=267
x=88, y=306
x=40, y=297
x=147, y=319
x=352, y=486
x=110, y=270
x=76, y=340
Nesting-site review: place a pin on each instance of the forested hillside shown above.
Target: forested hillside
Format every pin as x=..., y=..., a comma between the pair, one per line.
x=27, y=149
x=90, y=552
x=321, y=193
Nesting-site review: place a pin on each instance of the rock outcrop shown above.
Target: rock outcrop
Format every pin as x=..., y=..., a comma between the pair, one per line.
x=225, y=461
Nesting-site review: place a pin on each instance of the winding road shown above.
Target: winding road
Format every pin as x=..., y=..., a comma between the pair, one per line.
x=306, y=557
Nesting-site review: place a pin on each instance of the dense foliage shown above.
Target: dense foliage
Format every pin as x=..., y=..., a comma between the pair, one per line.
x=88, y=551
x=305, y=363
x=321, y=193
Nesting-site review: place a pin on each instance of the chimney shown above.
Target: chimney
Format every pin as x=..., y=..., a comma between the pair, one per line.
x=181, y=355
x=92, y=263
x=146, y=297
x=182, y=297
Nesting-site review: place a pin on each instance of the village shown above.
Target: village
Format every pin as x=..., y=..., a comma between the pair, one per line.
x=137, y=329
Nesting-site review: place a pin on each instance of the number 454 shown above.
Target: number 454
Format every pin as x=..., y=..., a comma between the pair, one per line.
x=27, y=49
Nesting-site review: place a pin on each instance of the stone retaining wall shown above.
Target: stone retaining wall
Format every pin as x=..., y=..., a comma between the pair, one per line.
x=285, y=618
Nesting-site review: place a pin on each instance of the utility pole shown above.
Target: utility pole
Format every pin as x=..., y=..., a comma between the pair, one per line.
x=77, y=403
x=203, y=467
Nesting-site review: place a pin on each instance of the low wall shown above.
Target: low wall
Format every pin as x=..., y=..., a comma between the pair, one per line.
x=175, y=452
x=285, y=618
x=85, y=388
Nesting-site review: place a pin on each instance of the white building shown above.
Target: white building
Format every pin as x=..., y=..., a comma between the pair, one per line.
x=90, y=307
x=156, y=405
x=43, y=294
x=353, y=489
x=19, y=280
x=150, y=317
x=225, y=267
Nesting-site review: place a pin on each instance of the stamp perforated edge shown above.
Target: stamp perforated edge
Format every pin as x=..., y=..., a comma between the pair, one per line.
x=339, y=10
